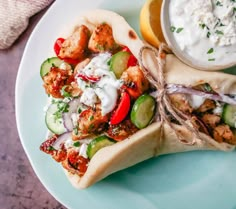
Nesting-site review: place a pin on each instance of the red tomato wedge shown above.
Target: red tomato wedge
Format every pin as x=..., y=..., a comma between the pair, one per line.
x=89, y=78
x=132, y=59
x=122, y=110
x=57, y=45
x=57, y=48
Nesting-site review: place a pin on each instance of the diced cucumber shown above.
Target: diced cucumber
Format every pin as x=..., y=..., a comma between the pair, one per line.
x=98, y=143
x=143, y=111
x=119, y=62
x=48, y=63
x=229, y=115
x=54, y=123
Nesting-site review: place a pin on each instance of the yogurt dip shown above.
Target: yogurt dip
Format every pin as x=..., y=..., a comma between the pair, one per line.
x=205, y=29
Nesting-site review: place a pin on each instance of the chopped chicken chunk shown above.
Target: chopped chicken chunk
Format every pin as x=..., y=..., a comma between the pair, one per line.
x=75, y=46
x=102, y=39
x=223, y=133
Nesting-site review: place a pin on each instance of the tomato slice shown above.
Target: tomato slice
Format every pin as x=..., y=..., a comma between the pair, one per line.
x=122, y=110
x=57, y=48
x=132, y=61
x=89, y=78
x=57, y=45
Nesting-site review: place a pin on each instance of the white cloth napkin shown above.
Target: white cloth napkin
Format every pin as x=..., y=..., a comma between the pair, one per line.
x=14, y=18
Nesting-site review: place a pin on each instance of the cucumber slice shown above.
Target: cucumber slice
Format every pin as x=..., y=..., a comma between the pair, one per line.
x=48, y=63
x=143, y=111
x=98, y=143
x=54, y=124
x=229, y=115
x=119, y=62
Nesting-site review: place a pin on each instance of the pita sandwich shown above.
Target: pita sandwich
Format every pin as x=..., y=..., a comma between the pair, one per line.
x=205, y=100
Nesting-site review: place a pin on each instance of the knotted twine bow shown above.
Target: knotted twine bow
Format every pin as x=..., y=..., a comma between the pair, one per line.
x=163, y=101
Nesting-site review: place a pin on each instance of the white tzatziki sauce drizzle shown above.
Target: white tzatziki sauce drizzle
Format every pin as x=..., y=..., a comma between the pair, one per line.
x=205, y=29
x=106, y=89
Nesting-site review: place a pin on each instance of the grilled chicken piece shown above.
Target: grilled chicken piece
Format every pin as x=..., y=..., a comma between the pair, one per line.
x=122, y=130
x=75, y=46
x=134, y=81
x=207, y=105
x=223, y=133
x=75, y=163
x=211, y=120
x=92, y=121
x=180, y=101
x=102, y=39
x=58, y=155
x=55, y=80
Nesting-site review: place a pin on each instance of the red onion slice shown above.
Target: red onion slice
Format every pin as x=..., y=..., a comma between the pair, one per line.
x=67, y=121
x=61, y=139
x=173, y=88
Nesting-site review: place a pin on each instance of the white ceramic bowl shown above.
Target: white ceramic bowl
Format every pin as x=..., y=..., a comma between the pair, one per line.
x=187, y=59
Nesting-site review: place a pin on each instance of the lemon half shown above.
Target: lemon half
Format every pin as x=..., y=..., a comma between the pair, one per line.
x=150, y=22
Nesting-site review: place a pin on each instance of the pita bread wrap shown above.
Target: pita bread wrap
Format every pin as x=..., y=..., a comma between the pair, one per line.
x=158, y=138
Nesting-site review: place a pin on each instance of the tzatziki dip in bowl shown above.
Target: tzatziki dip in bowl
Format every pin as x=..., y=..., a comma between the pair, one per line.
x=202, y=33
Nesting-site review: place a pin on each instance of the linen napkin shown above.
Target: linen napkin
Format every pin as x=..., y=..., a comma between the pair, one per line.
x=14, y=18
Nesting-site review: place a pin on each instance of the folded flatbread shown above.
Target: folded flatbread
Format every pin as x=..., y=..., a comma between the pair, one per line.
x=158, y=138
x=149, y=142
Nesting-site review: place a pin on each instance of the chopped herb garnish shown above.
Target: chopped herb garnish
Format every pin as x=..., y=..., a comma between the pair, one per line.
x=75, y=131
x=202, y=25
x=57, y=115
x=88, y=86
x=218, y=3
x=217, y=23
x=61, y=108
x=212, y=59
x=91, y=118
x=51, y=148
x=208, y=34
x=207, y=87
x=100, y=47
x=64, y=92
x=109, y=62
x=179, y=30
x=76, y=144
x=219, y=32
x=210, y=51
x=172, y=29
x=79, y=110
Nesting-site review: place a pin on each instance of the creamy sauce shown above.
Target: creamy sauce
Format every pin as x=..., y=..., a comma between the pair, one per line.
x=106, y=89
x=205, y=29
x=196, y=101
x=88, y=97
x=219, y=109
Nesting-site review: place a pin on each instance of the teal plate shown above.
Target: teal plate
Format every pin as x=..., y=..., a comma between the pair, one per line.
x=200, y=179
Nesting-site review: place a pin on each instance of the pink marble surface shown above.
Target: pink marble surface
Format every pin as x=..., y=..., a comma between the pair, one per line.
x=19, y=186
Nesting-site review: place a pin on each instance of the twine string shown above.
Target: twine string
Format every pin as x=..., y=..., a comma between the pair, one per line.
x=164, y=104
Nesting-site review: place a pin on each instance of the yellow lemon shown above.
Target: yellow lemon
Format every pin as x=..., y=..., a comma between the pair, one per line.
x=150, y=22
